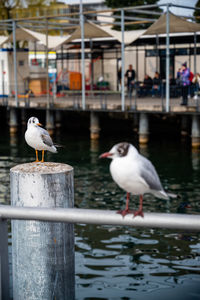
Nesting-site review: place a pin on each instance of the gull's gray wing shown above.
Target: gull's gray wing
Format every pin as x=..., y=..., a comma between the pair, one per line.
x=149, y=174
x=46, y=137
x=47, y=140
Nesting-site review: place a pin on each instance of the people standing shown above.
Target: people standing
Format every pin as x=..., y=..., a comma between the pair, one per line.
x=130, y=75
x=119, y=78
x=185, y=82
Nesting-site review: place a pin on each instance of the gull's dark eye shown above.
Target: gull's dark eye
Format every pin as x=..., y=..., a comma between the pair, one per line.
x=120, y=150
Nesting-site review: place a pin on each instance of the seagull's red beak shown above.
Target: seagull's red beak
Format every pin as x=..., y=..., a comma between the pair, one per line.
x=106, y=154
x=39, y=124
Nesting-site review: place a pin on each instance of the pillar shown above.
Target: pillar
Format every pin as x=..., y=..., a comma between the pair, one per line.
x=94, y=126
x=58, y=118
x=13, y=122
x=23, y=117
x=4, y=264
x=143, y=129
x=42, y=252
x=184, y=125
x=195, y=131
x=135, y=123
x=50, y=121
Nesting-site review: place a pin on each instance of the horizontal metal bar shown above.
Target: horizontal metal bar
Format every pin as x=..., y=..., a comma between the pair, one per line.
x=183, y=222
x=131, y=18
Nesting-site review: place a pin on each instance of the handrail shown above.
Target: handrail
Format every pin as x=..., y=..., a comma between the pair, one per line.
x=185, y=222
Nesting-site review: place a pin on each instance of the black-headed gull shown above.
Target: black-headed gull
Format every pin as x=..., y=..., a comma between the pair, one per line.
x=135, y=174
x=38, y=138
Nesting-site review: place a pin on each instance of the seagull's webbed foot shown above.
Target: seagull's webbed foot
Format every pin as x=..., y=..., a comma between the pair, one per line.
x=139, y=212
x=124, y=212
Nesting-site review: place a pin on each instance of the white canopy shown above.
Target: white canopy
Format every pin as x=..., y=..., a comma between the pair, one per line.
x=24, y=34
x=129, y=36
x=3, y=39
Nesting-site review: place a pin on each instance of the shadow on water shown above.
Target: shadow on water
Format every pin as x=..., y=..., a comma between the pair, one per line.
x=114, y=262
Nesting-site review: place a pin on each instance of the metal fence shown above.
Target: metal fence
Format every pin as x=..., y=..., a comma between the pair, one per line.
x=102, y=217
x=181, y=222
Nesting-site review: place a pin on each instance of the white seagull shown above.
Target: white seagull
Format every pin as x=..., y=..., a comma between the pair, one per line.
x=135, y=174
x=38, y=138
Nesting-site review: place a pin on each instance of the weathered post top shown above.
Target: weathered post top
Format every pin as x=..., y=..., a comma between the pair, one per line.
x=42, y=168
x=42, y=253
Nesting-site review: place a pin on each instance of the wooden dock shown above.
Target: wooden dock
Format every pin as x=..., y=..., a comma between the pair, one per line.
x=97, y=102
x=103, y=102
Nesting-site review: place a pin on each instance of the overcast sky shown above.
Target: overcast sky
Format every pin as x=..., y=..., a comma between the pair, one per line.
x=181, y=11
x=175, y=10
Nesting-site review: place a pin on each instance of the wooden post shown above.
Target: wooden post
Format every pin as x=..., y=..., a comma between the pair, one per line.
x=184, y=125
x=4, y=266
x=50, y=121
x=13, y=121
x=143, y=129
x=94, y=126
x=195, y=131
x=42, y=252
x=58, y=119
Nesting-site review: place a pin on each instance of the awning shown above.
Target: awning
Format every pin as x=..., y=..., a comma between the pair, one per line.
x=176, y=24
x=91, y=30
x=24, y=34
x=129, y=36
x=3, y=39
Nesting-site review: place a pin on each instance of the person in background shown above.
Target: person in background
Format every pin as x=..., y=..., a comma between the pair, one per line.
x=196, y=82
x=119, y=78
x=156, y=85
x=178, y=77
x=130, y=75
x=146, y=86
x=185, y=83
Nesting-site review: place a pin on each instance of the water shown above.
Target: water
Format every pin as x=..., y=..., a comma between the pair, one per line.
x=114, y=262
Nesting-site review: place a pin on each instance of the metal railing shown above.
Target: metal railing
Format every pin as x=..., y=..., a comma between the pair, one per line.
x=184, y=222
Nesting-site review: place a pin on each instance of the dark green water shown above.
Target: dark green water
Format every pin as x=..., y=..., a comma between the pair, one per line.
x=122, y=262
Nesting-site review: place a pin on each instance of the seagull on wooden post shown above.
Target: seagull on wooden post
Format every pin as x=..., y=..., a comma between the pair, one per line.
x=38, y=138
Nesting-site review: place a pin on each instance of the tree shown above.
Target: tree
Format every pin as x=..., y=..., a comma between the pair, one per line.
x=6, y=7
x=196, y=13
x=128, y=3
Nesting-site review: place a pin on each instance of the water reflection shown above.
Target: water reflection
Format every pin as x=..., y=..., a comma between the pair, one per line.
x=115, y=262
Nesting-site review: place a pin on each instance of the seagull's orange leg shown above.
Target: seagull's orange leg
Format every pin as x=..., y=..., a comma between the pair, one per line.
x=36, y=153
x=42, y=156
x=139, y=212
x=126, y=211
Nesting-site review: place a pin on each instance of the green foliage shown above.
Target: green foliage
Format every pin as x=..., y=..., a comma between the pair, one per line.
x=131, y=3
x=197, y=12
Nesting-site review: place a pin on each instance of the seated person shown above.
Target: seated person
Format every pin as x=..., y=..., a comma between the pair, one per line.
x=156, y=88
x=196, y=84
x=146, y=86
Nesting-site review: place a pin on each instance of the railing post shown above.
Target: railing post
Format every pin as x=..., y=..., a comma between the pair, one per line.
x=82, y=24
x=123, y=63
x=167, y=58
x=42, y=252
x=15, y=63
x=4, y=266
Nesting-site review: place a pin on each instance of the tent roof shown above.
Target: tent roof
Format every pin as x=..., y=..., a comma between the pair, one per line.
x=24, y=34
x=129, y=36
x=3, y=39
x=176, y=24
x=91, y=30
